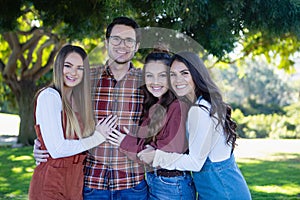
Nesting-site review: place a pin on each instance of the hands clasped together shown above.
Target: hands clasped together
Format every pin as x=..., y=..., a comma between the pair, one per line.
x=107, y=128
x=115, y=137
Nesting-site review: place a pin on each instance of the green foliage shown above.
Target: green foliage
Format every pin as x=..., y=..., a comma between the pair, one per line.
x=216, y=24
x=269, y=23
x=277, y=20
x=8, y=102
x=9, y=12
x=267, y=45
x=259, y=88
x=286, y=126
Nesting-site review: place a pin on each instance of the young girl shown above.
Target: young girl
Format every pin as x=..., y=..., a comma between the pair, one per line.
x=211, y=132
x=163, y=127
x=65, y=127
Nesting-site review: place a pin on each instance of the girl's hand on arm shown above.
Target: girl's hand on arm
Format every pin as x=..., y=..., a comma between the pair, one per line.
x=115, y=137
x=105, y=124
x=38, y=154
x=147, y=155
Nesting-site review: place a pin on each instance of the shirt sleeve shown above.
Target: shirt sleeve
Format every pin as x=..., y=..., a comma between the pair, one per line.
x=131, y=145
x=171, y=138
x=200, y=125
x=48, y=116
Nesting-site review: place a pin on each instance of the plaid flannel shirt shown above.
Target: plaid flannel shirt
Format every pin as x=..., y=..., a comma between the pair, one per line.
x=106, y=168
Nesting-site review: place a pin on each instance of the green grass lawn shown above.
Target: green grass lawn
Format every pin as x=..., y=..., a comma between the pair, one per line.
x=276, y=177
x=16, y=166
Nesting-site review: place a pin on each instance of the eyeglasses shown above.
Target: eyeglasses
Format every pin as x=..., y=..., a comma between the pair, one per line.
x=116, y=40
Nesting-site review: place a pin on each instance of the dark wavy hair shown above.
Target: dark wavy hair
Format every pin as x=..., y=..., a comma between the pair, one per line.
x=159, y=111
x=205, y=87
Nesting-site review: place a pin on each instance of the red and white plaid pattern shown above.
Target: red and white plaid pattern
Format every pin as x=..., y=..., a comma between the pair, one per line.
x=106, y=167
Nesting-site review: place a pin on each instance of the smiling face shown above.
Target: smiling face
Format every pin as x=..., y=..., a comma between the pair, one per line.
x=181, y=80
x=73, y=70
x=121, y=53
x=156, y=78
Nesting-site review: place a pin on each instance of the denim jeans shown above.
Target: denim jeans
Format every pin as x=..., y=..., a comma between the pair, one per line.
x=221, y=180
x=139, y=192
x=166, y=188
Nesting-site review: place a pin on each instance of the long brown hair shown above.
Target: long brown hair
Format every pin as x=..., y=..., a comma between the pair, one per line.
x=209, y=91
x=81, y=94
x=158, y=112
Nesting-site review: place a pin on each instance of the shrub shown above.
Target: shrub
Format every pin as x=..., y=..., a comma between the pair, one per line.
x=273, y=126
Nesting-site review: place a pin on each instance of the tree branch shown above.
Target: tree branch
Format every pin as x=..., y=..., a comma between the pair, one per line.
x=31, y=45
x=2, y=66
x=11, y=66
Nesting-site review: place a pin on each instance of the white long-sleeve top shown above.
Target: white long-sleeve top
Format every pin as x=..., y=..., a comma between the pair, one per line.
x=48, y=116
x=205, y=140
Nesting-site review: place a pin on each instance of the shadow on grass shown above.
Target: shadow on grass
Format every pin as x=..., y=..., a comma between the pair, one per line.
x=274, y=177
x=16, y=165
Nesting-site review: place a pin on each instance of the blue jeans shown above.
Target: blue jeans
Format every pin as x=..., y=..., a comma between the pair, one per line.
x=166, y=188
x=221, y=180
x=139, y=192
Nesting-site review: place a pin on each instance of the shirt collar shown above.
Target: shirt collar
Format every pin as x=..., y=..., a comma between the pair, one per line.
x=109, y=72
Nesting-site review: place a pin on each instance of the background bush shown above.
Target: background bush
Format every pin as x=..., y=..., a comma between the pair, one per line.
x=284, y=125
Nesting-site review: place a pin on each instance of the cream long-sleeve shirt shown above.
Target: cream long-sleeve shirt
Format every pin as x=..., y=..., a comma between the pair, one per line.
x=205, y=140
x=48, y=116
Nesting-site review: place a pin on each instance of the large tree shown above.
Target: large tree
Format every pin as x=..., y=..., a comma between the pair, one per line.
x=33, y=30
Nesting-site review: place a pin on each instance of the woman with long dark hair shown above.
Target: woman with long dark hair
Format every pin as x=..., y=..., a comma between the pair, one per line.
x=211, y=132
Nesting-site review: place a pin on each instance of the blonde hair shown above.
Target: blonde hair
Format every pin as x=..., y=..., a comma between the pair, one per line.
x=81, y=95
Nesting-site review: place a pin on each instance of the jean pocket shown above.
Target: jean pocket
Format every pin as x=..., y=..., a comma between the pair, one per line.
x=87, y=190
x=141, y=187
x=172, y=181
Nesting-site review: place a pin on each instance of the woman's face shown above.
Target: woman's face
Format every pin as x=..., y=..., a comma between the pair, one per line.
x=73, y=70
x=181, y=80
x=156, y=78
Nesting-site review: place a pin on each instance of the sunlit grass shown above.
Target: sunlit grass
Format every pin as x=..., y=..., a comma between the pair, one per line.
x=288, y=189
x=16, y=166
x=274, y=177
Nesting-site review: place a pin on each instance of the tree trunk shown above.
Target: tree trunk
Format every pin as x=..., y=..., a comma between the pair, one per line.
x=25, y=101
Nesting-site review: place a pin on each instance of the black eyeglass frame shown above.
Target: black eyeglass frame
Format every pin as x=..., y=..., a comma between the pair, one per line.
x=129, y=42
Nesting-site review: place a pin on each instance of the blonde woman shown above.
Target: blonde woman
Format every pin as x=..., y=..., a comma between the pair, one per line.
x=65, y=127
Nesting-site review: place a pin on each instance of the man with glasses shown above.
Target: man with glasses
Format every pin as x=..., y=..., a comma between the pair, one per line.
x=116, y=41
x=110, y=174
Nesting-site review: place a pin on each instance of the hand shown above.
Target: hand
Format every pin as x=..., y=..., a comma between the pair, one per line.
x=147, y=155
x=105, y=124
x=115, y=137
x=38, y=154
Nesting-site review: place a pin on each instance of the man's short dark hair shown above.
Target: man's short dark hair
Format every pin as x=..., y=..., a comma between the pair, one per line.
x=127, y=22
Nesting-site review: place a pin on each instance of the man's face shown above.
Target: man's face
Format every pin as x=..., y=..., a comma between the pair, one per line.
x=121, y=44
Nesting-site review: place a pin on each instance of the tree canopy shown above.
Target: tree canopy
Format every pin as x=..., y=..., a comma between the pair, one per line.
x=217, y=25
x=32, y=31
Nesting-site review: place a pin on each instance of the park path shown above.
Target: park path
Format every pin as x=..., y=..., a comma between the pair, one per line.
x=262, y=148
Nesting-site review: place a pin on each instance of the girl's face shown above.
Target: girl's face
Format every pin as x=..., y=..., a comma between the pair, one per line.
x=73, y=70
x=181, y=80
x=156, y=78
